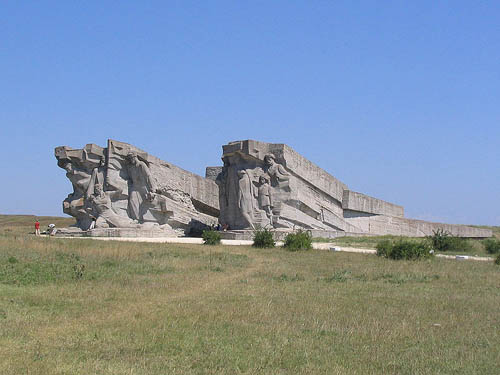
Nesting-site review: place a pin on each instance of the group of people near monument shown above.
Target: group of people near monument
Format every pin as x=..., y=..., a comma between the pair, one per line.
x=51, y=229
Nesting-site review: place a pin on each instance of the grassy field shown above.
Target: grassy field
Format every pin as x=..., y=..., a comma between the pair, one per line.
x=83, y=306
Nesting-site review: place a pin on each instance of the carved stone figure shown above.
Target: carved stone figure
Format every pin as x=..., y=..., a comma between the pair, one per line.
x=101, y=209
x=246, y=197
x=141, y=183
x=98, y=177
x=74, y=204
x=277, y=171
x=79, y=178
x=264, y=196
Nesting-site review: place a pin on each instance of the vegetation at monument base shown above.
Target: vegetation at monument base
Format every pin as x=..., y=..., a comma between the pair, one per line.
x=443, y=241
x=404, y=249
x=84, y=306
x=211, y=237
x=263, y=239
x=492, y=245
x=472, y=246
x=298, y=241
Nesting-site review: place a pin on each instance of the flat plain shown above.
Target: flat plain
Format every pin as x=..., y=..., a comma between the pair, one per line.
x=76, y=306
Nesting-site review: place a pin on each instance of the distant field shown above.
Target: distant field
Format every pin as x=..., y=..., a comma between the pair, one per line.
x=95, y=307
x=25, y=224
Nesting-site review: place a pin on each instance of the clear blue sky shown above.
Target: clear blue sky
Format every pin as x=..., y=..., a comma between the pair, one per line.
x=398, y=99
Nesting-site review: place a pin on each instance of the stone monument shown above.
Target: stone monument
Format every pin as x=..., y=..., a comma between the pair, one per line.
x=265, y=185
x=121, y=190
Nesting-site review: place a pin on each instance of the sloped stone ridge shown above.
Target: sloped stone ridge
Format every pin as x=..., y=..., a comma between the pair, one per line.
x=265, y=185
x=121, y=186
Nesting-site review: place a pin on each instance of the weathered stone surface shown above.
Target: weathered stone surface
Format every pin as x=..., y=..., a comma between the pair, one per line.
x=121, y=186
x=264, y=185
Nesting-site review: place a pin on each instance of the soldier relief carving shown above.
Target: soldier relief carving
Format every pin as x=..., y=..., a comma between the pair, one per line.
x=98, y=204
x=252, y=192
x=116, y=187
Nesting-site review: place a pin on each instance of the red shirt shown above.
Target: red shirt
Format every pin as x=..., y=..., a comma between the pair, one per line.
x=37, y=225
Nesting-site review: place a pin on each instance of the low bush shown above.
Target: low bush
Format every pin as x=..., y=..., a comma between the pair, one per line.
x=404, y=249
x=492, y=245
x=384, y=248
x=210, y=237
x=497, y=261
x=298, y=241
x=443, y=241
x=263, y=239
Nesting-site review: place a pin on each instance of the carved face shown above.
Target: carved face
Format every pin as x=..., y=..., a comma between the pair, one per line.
x=269, y=159
x=67, y=167
x=98, y=189
x=132, y=158
x=102, y=161
x=262, y=180
x=240, y=173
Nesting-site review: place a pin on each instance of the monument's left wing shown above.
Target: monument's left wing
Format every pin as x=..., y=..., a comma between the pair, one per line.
x=123, y=189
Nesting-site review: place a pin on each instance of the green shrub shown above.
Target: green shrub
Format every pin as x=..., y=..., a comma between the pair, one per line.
x=442, y=240
x=497, y=261
x=263, y=239
x=298, y=241
x=210, y=237
x=404, y=249
x=492, y=245
x=384, y=248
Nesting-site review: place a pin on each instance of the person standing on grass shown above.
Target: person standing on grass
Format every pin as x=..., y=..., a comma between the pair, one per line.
x=37, y=228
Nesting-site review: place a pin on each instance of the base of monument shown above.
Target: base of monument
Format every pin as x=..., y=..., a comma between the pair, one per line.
x=280, y=234
x=117, y=232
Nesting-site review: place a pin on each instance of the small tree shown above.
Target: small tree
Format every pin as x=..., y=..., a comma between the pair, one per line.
x=442, y=240
x=210, y=237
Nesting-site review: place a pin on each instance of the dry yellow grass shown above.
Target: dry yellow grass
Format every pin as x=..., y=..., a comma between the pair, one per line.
x=142, y=308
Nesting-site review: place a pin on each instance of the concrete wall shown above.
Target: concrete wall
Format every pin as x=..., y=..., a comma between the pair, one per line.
x=364, y=203
x=399, y=226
